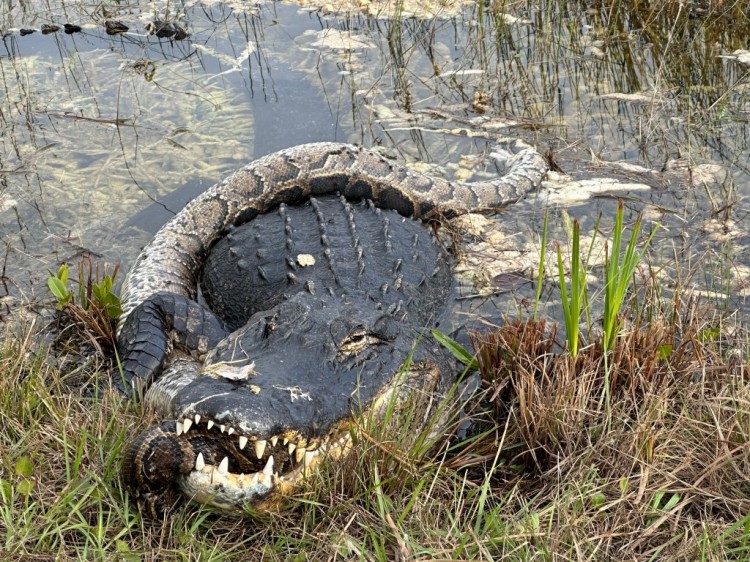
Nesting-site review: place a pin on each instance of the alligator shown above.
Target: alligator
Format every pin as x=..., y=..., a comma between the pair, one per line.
x=319, y=276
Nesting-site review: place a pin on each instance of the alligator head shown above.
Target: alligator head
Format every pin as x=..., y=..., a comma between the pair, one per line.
x=276, y=397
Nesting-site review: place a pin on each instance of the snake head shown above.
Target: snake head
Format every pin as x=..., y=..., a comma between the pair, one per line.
x=150, y=466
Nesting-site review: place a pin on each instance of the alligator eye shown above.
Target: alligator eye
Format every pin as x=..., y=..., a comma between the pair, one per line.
x=357, y=341
x=269, y=327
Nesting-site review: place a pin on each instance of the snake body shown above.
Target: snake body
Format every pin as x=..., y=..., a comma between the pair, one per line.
x=171, y=261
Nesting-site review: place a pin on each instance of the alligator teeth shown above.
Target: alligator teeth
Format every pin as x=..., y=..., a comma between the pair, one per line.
x=186, y=423
x=266, y=479
x=243, y=442
x=268, y=469
x=180, y=428
x=285, y=441
x=274, y=440
x=224, y=466
x=199, y=462
x=230, y=431
x=222, y=428
x=309, y=456
x=291, y=447
x=209, y=424
x=260, y=447
x=197, y=418
x=299, y=454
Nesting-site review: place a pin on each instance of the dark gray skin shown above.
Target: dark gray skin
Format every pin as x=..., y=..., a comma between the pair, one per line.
x=322, y=342
x=362, y=255
x=359, y=251
x=298, y=336
x=303, y=383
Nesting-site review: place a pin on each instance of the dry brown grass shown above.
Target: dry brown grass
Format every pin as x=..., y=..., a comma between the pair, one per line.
x=661, y=470
x=657, y=473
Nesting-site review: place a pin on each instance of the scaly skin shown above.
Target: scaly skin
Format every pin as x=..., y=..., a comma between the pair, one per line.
x=279, y=393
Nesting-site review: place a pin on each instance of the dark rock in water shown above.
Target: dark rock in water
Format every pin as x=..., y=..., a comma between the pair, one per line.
x=166, y=30
x=72, y=28
x=161, y=29
x=180, y=33
x=27, y=31
x=113, y=27
x=48, y=28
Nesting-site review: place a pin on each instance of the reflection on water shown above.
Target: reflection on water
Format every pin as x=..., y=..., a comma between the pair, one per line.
x=104, y=136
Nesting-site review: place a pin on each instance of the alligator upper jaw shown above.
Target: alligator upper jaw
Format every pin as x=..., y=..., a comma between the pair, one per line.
x=233, y=467
x=260, y=490
x=232, y=471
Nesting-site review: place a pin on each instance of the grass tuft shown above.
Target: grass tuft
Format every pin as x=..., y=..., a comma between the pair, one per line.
x=657, y=474
x=90, y=318
x=618, y=274
x=574, y=304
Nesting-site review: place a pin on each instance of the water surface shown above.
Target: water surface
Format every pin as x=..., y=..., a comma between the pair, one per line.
x=105, y=136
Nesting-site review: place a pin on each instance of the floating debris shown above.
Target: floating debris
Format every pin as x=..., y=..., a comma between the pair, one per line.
x=386, y=9
x=336, y=40
x=166, y=30
x=634, y=97
x=740, y=55
x=113, y=27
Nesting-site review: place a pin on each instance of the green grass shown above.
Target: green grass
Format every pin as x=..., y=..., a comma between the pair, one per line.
x=573, y=301
x=553, y=474
x=618, y=279
x=542, y=260
x=618, y=275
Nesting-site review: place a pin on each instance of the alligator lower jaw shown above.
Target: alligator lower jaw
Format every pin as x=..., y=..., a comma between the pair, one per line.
x=216, y=486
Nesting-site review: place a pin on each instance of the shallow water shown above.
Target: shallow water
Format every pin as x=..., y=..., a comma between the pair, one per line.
x=104, y=137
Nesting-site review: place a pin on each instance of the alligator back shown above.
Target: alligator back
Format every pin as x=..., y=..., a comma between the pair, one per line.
x=349, y=251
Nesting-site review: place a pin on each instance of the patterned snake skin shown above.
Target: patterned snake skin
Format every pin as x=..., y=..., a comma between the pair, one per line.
x=171, y=261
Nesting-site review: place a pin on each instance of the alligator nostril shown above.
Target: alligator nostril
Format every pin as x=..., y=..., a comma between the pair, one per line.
x=270, y=326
